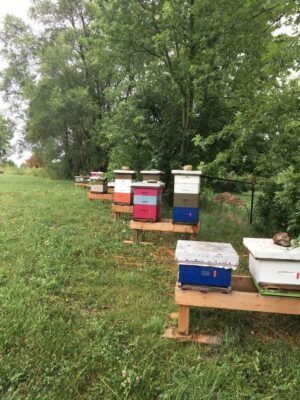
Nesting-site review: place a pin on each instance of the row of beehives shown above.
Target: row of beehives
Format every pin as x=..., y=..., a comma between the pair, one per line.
x=146, y=195
x=274, y=269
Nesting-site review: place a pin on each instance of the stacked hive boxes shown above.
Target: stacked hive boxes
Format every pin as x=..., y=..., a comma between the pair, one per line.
x=98, y=183
x=123, y=189
x=152, y=175
x=205, y=263
x=273, y=266
x=147, y=200
x=186, y=196
x=79, y=179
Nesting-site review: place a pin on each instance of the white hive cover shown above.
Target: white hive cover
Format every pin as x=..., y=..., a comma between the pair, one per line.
x=207, y=254
x=111, y=184
x=148, y=184
x=267, y=249
x=152, y=172
x=183, y=172
x=123, y=171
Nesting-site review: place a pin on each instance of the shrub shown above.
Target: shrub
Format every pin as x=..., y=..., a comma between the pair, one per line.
x=278, y=205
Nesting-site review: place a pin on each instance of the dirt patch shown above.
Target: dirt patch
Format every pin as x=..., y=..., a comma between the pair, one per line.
x=228, y=198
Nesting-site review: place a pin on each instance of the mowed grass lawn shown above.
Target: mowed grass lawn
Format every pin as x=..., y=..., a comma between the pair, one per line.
x=82, y=312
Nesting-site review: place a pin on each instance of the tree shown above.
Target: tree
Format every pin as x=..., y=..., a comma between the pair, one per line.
x=5, y=136
x=214, y=56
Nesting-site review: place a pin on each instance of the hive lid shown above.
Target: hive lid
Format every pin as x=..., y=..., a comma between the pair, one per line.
x=148, y=184
x=153, y=172
x=111, y=184
x=183, y=172
x=124, y=171
x=267, y=249
x=206, y=254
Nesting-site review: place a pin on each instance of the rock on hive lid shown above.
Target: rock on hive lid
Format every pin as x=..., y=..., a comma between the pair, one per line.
x=206, y=254
x=267, y=249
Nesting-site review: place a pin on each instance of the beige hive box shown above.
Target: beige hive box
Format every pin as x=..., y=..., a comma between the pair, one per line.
x=152, y=175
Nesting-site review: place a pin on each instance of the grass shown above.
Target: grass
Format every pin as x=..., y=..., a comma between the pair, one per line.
x=82, y=312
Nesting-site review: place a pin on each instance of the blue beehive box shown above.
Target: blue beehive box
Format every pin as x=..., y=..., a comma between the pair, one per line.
x=186, y=214
x=205, y=263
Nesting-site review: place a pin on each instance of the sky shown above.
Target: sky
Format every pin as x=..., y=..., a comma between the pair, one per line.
x=20, y=9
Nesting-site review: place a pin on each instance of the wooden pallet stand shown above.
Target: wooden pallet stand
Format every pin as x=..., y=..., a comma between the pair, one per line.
x=164, y=225
x=82, y=185
x=118, y=209
x=99, y=196
x=244, y=297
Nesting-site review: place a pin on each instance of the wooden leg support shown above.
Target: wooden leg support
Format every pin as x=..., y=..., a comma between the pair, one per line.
x=138, y=235
x=116, y=216
x=184, y=320
x=182, y=332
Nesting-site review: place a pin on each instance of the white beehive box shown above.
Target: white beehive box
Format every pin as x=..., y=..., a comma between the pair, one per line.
x=186, y=181
x=271, y=263
x=211, y=254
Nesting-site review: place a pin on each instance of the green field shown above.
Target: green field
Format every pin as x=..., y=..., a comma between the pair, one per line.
x=82, y=312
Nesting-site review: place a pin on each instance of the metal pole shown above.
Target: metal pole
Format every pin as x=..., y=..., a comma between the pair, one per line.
x=252, y=203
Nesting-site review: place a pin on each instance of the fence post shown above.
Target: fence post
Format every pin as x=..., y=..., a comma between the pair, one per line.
x=252, y=203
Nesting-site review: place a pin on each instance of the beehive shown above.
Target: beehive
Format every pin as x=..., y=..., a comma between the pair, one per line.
x=205, y=263
x=94, y=175
x=147, y=200
x=186, y=196
x=271, y=264
x=99, y=185
x=152, y=175
x=123, y=189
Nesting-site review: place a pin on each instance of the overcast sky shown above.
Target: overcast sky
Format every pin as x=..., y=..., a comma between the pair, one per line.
x=20, y=9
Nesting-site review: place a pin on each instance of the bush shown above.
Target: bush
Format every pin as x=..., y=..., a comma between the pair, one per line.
x=278, y=205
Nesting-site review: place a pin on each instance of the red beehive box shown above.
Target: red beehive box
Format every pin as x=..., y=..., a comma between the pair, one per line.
x=147, y=200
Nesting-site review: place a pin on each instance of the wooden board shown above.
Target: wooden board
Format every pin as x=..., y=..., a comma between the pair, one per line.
x=278, y=286
x=164, y=225
x=122, y=208
x=110, y=190
x=82, y=185
x=172, y=333
x=238, y=299
x=99, y=196
x=118, y=209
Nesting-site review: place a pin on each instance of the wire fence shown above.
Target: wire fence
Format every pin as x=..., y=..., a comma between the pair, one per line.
x=230, y=195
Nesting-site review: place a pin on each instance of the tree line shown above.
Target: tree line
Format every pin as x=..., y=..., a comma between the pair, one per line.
x=159, y=83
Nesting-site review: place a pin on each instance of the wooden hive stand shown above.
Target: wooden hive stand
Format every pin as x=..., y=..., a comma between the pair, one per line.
x=118, y=209
x=244, y=297
x=81, y=185
x=164, y=225
x=99, y=196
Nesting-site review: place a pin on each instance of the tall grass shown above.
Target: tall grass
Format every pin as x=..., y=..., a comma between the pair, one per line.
x=36, y=172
